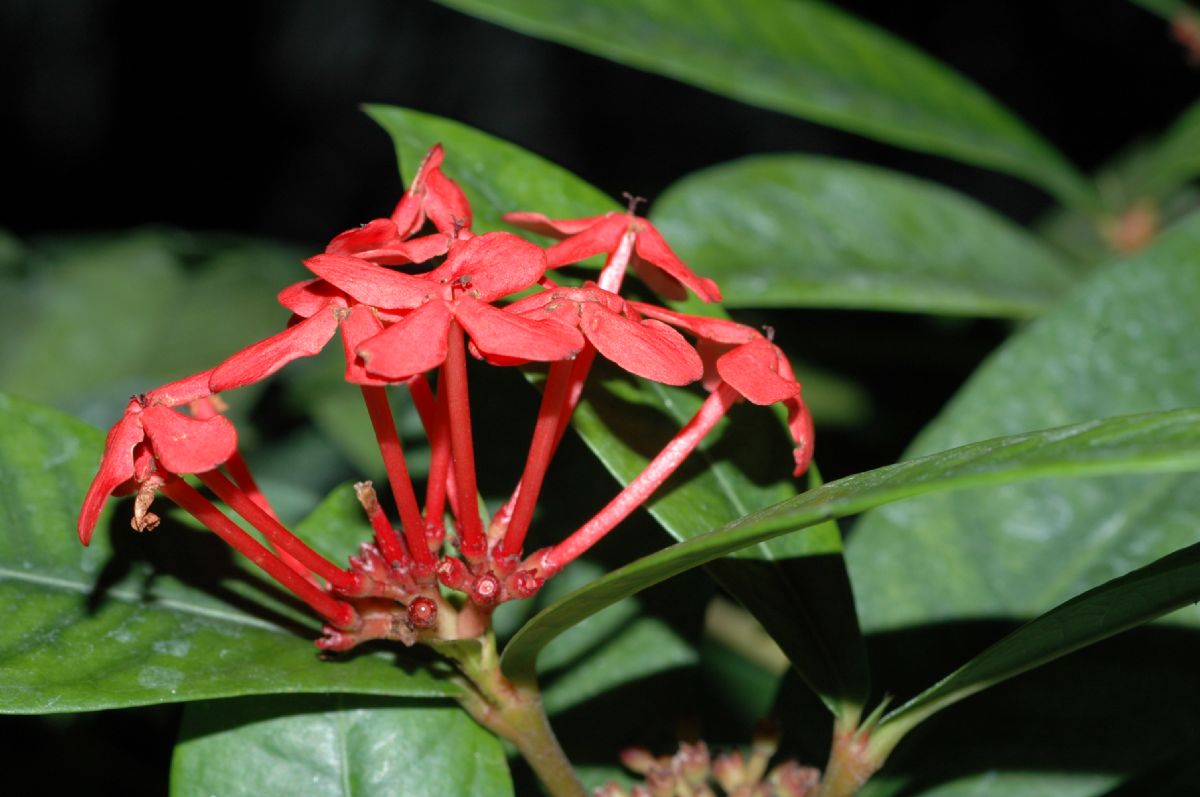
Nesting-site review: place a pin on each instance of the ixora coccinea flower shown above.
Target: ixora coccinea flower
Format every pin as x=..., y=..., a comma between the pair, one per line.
x=414, y=295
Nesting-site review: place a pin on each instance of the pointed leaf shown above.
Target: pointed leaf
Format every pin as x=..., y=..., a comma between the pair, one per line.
x=1173, y=160
x=1153, y=443
x=803, y=231
x=1123, y=342
x=807, y=59
x=332, y=746
x=514, y=179
x=1115, y=606
x=139, y=619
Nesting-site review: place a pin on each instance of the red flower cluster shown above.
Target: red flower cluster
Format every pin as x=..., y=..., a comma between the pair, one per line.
x=414, y=327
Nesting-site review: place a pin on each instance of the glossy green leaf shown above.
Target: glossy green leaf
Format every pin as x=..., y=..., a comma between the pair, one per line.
x=801, y=231
x=805, y=602
x=1123, y=342
x=1118, y=605
x=498, y=177
x=1155, y=442
x=139, y=619
x=807, y=59
x=335, y=746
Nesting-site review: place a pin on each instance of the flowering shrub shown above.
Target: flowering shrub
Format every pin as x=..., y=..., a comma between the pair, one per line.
x=399, y=327
x=499, y=579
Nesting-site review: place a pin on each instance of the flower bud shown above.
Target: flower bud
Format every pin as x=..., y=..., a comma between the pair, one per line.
x=422, y=613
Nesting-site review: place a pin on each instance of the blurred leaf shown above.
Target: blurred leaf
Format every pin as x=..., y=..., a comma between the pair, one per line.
x=800, y=231
x=1118, y=605
x=1123, y=342
x=100, y=319
x=806, y=59
x=1164, y=8
x=165, y=617
x=336, y=746
x=626, y=422
x=497, y=176
x=1174, y=159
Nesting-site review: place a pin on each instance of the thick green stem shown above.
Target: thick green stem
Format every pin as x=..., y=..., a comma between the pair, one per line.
x=513, y=711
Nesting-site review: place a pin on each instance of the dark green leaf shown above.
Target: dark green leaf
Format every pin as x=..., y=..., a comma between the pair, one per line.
x=807, y=59
x=626, y=422
x=792, y=230
x=1156, y=442
x=1124, y=342
x=334, y=746
x=1118, y=605
x=497, y=176
x=144, y=619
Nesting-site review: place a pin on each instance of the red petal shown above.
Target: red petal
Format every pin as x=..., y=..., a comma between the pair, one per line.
x=492, y=265
x=116, y=468
x=264, y=358
x=372, y=284
x=653, y=248
x=409, y=213
x=358, y=327
x=372, y=235
x=800, y=423
x=445, y=203
x=551, y=228
x=500, y=335
x=718, y=330
x=307, y=298
x=418, y=250
x=412, y=346
x=648, y=348
x=182, y=391
x=603, y=236
x=752, y=369
x=183, y=444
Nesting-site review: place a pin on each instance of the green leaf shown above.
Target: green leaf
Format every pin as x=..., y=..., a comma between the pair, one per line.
x=1164, y=8
x=627, y=421
x=806, y=59
x=335, y=746
x=1155, y=442
x=796, y=587
x=1173, y=160
x=801, y=231
x=642, y=648
x=106, y=312
x=1118, y=605
x=1124, y=342
x=134, y=620
x=498, y=177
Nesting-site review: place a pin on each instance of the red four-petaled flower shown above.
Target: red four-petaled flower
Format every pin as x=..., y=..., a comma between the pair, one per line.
x=406, y=299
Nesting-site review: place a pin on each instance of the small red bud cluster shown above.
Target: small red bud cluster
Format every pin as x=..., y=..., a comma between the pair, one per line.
x=413, y=296
x=691, y=772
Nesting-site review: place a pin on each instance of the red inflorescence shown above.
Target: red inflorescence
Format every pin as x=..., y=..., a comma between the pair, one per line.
x=414, y=326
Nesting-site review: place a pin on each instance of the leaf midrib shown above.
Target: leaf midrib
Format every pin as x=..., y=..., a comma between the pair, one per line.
x=173, y=604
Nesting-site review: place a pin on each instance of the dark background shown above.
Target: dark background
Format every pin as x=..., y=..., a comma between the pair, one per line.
x=243, y=117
